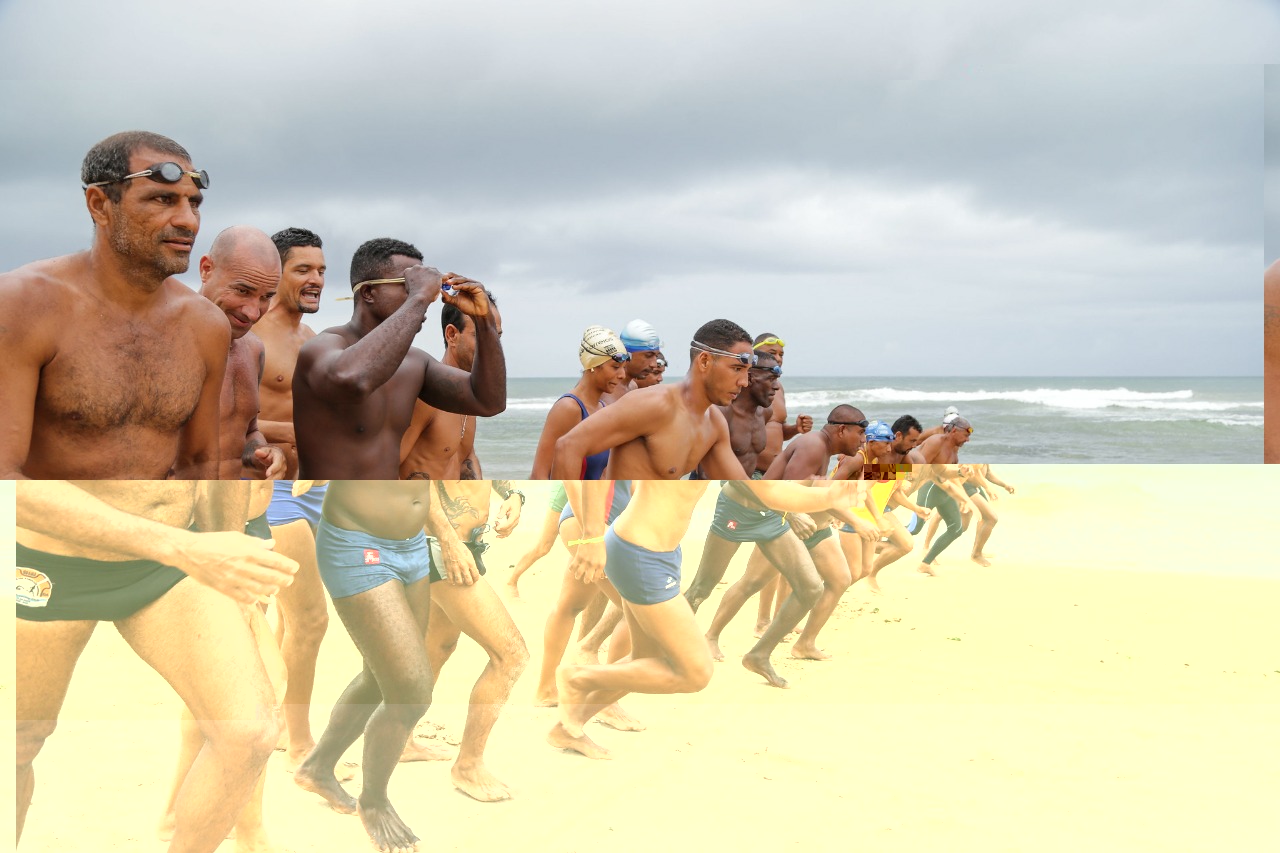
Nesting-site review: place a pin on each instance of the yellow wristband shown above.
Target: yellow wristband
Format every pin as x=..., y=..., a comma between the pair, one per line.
x=593, y=540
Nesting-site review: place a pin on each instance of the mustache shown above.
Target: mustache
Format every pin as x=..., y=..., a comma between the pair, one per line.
x=178, y=233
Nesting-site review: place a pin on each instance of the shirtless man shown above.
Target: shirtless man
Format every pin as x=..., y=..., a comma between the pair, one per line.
x=808, y=456
x=940, y=483
x=303, y=609
x=642, y=341
x=440, y=445
x=476, y=610
x=663, y=432
x=780, y=431
x=283, y=333
x=240, y=275
x=749, y=413
x=112, y=367
x=1271, y=364
x=979, y=484
x=72, y=539
x=643, y=562
x=355, y=385
x=374, y=560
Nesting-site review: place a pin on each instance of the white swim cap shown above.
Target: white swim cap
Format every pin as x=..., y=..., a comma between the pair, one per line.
x=639, y=336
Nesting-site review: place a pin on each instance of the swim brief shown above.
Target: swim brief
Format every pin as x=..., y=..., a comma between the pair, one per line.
x=559, y=498
x=437, y=559
x=823, y=532
x=285, y=507
x=352, y=561
x=55, y=588
x=737, y=523
x=641, y=576
x=619, y=497
x=258, y=527
x=971, y=490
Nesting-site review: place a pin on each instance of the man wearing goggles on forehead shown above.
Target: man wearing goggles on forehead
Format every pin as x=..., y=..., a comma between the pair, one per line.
x=749, y=413
x=113, y=368
x=355, y=385
x=664, y=432
x=807, y=457
x=779, y=431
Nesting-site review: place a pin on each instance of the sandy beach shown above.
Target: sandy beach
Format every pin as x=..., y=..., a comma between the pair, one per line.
x=1112, y=682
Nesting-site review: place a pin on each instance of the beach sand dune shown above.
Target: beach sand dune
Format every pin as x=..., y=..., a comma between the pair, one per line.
x=1112, y=682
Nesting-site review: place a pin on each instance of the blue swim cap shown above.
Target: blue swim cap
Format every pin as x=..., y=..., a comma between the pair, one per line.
x=639, y=336
x=879, y=431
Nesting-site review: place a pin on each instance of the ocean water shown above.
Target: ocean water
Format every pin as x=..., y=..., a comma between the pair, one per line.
x=1084, y=420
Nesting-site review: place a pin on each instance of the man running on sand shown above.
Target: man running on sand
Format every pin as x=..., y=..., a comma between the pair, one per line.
x=283, y=333
x=473, y=609
x=440, y=445
x=240, y=275
x=355, y=385
x=375, y=563
x=112, y=367
x=809, y=456
x=664, y=432
x=71, y=575
x=640, y=553
x=940, y=483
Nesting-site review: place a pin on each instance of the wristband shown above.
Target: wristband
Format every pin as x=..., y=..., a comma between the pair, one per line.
x=591, y=541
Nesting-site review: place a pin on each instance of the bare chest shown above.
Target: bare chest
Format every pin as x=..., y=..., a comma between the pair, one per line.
x=123, y=374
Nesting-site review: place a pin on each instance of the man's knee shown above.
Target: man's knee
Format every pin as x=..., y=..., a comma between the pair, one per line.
x=31, y=737
x=807, y=589
x=513, y=657
x=246, y=743
x=696, y=675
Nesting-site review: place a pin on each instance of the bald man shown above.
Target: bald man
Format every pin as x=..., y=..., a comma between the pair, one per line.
x=240, y=276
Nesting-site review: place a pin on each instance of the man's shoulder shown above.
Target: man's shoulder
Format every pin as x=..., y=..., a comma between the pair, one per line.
x=48, y=280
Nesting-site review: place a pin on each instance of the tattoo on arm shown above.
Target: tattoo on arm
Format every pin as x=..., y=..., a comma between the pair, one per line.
x=503, y=488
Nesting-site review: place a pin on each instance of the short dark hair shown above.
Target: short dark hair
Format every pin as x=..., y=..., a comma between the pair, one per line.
x=906, y=424
x=294, y=238
x=720, y=334
x=371, y=259
x=451, y=316
x=109, y=159
x=763, y=336
x=762, y=357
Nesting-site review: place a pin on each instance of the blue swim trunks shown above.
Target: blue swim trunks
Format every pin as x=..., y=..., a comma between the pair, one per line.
x=352, y=562
x=641, y=576
x=286, y=508
x=619, y=497
x=738, y=523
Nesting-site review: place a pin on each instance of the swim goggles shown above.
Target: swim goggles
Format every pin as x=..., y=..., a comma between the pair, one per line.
x=747, y=359
x=862, y=423
x=444, y=288
x=770, y=342
x=776, y=369
x=161, y=173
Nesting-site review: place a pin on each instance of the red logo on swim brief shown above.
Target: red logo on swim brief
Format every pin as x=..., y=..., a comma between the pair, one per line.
x=732, y=525
x=371, y=557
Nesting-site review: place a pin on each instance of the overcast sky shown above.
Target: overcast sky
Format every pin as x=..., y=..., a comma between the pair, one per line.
x=943, y=188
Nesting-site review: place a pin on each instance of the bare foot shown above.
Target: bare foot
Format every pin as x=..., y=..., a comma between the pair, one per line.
x=511, y=590
x=319, y=781
x=926, y=569
x=344, y=772
x=873, y=586
x=478, y=783
x=546, y=700
x=808, y=653
x=980, y=560
x=570, y=698
x=388, y=832
x=560, y=738
x=583, y=656
x=761, y=665
x=256, y=842
x=761, y=627
x=423, y=749
x=616, y=718
x=714, y=647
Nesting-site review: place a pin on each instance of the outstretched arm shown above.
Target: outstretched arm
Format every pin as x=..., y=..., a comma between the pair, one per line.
x=635, y=415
